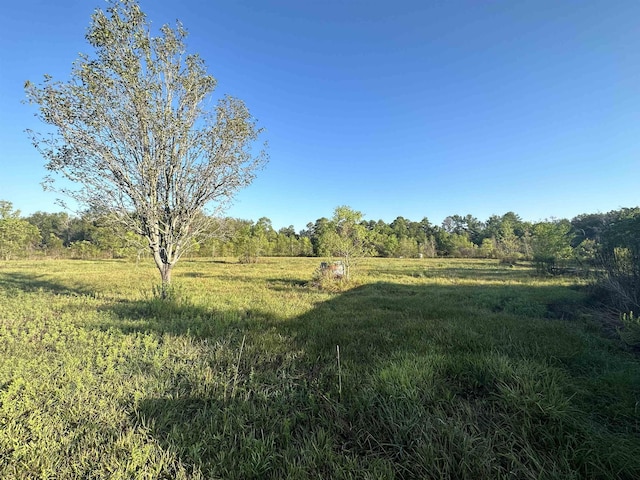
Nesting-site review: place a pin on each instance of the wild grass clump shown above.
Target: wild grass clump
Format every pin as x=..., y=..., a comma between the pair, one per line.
x=447, y=369
x=164, y=300
x=326, y=279
x=630, y=331
x=616, y=291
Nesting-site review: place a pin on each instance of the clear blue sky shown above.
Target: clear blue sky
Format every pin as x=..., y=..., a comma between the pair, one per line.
x=412, y=108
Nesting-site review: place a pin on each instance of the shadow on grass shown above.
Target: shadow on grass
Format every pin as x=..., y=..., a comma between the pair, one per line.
x=195, y=275
x=286, y=284
x=181, y=317
x=497, y=272
x=386, y=319
x=357, y=314
x=239, y=438
x=433, y=382
x=32, y=283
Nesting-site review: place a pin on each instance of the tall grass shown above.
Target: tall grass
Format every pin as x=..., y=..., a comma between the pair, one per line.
x=448, y=369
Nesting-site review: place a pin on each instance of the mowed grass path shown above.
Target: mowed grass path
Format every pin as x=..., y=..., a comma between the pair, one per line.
x=448, y=369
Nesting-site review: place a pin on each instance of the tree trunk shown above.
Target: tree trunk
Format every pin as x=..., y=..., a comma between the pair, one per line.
x=165, y=273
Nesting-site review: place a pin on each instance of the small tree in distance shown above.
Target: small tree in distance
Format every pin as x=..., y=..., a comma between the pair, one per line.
x=551, y=244
x=345, y=237
x=17, y=236
x=132, y=131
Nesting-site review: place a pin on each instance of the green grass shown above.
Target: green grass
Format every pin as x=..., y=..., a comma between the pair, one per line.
x=448, y=369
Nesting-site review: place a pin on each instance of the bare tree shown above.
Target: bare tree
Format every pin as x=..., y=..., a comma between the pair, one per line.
x=133, y=132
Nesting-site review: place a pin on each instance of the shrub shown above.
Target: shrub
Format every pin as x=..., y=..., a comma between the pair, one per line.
x=619, y=281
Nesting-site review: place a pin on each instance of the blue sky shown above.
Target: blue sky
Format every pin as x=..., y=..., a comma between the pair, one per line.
x=411, y=108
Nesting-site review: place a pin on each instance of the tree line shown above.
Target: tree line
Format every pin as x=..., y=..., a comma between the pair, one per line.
x=507, y=237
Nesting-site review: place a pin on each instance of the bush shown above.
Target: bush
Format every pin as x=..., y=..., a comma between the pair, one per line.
x=619, y=281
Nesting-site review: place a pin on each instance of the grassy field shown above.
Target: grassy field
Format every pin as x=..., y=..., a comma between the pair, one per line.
x=445, y=369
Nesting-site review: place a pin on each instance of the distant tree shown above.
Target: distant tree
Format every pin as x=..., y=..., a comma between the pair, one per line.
x=287, y=242
x=454, y=224
x=551, y=244
x=508, y=245
x=265, y=235
x=17, y=236
x=468, y=226
x=526, y=239
x=345, y=237
x=380, y=236
x=54, y=229
x=506, y=231
x=212, y=241
x=132, y=130
x=315, y=231
x=426, y=238
x=462, y=246
x=590, y=227
x=487, y=248
x=389, y=246
x=116, y=243
x=587, y=251
x=82, y=228
x=444, y=244
x=248, y=246
x=400, y=227
x=622, y=230
x=428, y=248
x=306, y=248
x=83, y=249
x=218, y=240
x=407, y=248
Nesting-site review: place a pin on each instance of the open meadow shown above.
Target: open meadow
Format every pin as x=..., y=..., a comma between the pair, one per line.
x=422, y=368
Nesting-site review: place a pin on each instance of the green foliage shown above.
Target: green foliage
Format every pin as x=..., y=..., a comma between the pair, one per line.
x=619, y=282
x=587, y=252
x=462, y=247
x=17, y=236
x=55, y=229
x=622, y=230
x=507, y=242
x=83, y=250
x=467, y=226
x=345, y=237
x=551, y=244
x=487, y=248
